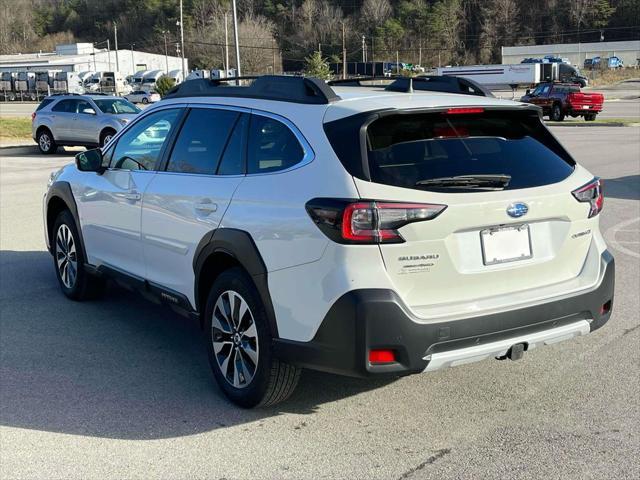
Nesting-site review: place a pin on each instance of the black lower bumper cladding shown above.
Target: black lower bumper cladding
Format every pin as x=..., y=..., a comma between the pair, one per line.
x=367, y=319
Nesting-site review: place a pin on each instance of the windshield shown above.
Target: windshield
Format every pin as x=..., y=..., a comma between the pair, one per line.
x=116, y=106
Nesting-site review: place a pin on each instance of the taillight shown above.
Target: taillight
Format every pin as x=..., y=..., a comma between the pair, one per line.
x=591, y=193
x=370, y=221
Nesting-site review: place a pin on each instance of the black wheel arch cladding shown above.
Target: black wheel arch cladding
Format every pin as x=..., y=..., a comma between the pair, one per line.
x=60, y=191
x=239, y=245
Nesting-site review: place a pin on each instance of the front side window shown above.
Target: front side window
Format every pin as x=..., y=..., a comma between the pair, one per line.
x=201, y=141
x=85, y=107
x=272, y=146
x=116, y=106
x=140, y=147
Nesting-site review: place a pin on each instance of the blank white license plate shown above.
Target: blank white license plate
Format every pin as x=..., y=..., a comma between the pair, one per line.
x=505, y=244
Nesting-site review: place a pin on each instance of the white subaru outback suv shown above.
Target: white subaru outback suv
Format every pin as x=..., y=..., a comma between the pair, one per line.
x=359, y=230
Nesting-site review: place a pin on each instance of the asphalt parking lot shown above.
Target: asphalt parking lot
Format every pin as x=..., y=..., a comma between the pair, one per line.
x=121, y=388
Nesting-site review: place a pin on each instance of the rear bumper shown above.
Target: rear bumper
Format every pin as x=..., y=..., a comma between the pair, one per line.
x=584, y=111
x=367, y=319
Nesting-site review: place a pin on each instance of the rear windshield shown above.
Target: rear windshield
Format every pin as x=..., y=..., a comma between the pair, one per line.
x=409, y=150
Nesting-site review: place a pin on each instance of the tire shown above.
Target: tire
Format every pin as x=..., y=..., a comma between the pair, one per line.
x=590, y=117
x=262, y=379
x=46, y=143
x=556, y=113
x=106, y=135
x=145, y=100
x=68, y=260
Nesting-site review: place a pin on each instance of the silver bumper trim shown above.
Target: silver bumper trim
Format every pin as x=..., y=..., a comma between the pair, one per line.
x=500, y=348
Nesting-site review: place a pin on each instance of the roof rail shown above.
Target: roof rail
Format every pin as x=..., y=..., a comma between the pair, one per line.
x=283, y=88
x=432, y=83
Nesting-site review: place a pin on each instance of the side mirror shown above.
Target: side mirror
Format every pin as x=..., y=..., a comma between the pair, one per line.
x=89, y=111
x=528, y=92
x=90, y=161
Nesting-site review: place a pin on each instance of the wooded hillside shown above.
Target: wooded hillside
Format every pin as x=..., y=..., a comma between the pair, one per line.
x=422, y=31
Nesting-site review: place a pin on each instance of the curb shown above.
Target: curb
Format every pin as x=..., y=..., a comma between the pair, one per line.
x=18, y=149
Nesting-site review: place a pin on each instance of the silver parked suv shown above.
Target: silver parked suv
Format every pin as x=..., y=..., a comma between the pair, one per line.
x=84, y=120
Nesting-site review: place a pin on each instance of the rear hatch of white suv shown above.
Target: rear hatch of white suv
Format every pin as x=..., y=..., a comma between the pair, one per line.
x=474, y=209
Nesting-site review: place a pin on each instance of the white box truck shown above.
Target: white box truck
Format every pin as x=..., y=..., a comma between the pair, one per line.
x=505, y=77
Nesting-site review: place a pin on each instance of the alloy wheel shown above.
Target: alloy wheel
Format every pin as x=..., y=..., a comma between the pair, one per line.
x=45, y=142
x=235, y=339
x=66, y=257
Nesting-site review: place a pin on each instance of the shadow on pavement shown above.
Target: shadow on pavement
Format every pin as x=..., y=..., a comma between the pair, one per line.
x=626, y=188
x=119, y=367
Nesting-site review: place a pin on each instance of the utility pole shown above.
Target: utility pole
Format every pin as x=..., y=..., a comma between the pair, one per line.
x=109, y=53
x=420, y=54
x=133, y=64
x=226, y=45
x=166, y=52
x=115, y=33
x=364, y=50
x=235, y=38
x=373, y=57
x=397, y=63
x=344, y=55
x=93, y=46
x=320, y=49
x=182, y=41
x=274, y=55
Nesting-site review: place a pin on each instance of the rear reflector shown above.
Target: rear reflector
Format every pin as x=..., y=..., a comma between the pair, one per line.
x=591, y=193
x=33, y=116
x=381, y=356
x=606, y=308
x=463, y=110
x=368, y=222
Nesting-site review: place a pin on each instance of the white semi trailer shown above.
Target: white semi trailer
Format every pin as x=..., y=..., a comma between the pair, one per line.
x=67, y=82
x=505, y=77
x=7, y=80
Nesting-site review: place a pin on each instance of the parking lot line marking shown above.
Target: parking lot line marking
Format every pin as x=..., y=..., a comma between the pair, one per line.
x=611, y=233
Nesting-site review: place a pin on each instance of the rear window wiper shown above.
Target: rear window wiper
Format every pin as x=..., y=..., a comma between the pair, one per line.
x=491, y=181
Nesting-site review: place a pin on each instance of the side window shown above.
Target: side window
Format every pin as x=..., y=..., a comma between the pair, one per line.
x=85, y=107
x=65, y=106
x=139, y=148
x=232, y=162
x=272, y=146
x=201, y=141
x=546, y=89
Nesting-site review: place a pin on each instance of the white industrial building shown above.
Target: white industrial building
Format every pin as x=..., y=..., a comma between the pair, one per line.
x=79, y=57
x=628, y=51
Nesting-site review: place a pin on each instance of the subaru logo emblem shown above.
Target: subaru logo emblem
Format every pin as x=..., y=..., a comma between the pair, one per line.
x=517, y=210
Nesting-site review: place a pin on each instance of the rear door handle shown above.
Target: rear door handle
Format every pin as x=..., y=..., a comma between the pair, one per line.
x=207, y=207
x=132, y=196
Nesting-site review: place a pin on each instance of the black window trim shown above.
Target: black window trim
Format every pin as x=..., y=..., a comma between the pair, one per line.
x=308, y=156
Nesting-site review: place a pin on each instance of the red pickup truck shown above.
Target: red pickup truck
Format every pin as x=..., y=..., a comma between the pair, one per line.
x=561, y=99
